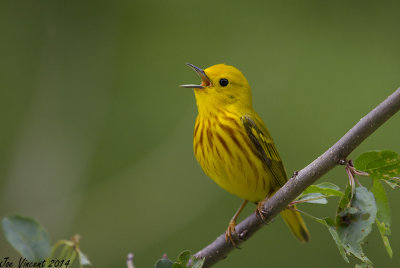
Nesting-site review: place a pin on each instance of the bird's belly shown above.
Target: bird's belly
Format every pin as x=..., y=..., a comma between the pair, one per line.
x=237, y=172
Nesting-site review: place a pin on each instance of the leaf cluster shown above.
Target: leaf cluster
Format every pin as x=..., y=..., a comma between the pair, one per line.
x=359, y=208
x=185, y=259
x=32, y=241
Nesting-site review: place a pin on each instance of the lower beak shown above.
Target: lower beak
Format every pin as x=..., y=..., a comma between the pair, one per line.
x=205, y=80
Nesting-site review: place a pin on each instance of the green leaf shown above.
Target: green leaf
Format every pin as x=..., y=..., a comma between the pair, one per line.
x=184, y=257
x=393, y=182
x=354, y=223
x=345, y=201
x=330, y=224
x=354, y=219
x=197, y=262
x=376, y=161
x=382, y=203
x=385, y=231
x=383, y=217
x=164, y=263
x=316, y=198
x=318, y=193
x=27, y=237
x=325, y=188
x=383, y=165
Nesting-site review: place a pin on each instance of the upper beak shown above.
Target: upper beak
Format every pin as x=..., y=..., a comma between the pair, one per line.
x=205, y=80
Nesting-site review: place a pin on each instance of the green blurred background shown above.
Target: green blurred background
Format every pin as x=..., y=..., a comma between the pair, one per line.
x=96, y=136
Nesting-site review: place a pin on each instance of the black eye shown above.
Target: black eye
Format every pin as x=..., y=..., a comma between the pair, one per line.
x=223, y=82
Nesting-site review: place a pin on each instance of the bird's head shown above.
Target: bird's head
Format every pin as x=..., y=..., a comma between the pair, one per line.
x=222, y=86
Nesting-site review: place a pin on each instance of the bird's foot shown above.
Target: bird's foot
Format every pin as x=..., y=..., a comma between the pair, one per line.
x=229, y=232
x=260, y=212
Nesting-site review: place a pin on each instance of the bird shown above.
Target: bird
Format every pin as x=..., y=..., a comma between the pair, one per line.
x=233, y=145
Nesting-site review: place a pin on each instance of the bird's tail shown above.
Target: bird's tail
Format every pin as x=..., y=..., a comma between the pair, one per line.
x=296, y=224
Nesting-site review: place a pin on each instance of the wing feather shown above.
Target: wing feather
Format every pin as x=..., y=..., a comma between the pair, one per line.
x=262, y=141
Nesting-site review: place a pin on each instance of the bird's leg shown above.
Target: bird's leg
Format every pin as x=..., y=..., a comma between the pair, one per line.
x=231, y=227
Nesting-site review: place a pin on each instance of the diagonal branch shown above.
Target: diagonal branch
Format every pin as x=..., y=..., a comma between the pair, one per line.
x=219, y=249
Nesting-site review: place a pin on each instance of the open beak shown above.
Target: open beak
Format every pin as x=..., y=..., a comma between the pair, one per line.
x=205, y=80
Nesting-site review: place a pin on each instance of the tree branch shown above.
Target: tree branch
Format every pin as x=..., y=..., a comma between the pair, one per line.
x=219, y=249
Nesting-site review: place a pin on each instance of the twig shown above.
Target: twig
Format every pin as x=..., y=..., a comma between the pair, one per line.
x=335, y=155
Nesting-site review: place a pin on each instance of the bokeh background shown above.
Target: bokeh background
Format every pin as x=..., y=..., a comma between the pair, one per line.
x=96, y=136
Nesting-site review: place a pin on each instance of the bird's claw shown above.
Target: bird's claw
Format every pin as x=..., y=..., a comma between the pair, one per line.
x=259, y=212
x=229, y=233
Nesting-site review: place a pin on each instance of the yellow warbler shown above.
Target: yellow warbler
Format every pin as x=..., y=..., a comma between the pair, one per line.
x=233, y=146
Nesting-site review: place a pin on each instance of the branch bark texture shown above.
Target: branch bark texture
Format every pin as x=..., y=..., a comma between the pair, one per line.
x=219, y=249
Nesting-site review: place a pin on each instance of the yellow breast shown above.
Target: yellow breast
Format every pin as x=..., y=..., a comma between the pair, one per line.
x=227, y=155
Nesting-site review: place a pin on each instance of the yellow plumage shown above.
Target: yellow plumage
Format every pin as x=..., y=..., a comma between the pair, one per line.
x=233, y=145
x=225, y=153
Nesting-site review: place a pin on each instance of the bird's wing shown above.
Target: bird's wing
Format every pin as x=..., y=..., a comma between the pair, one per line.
x=262, y=141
